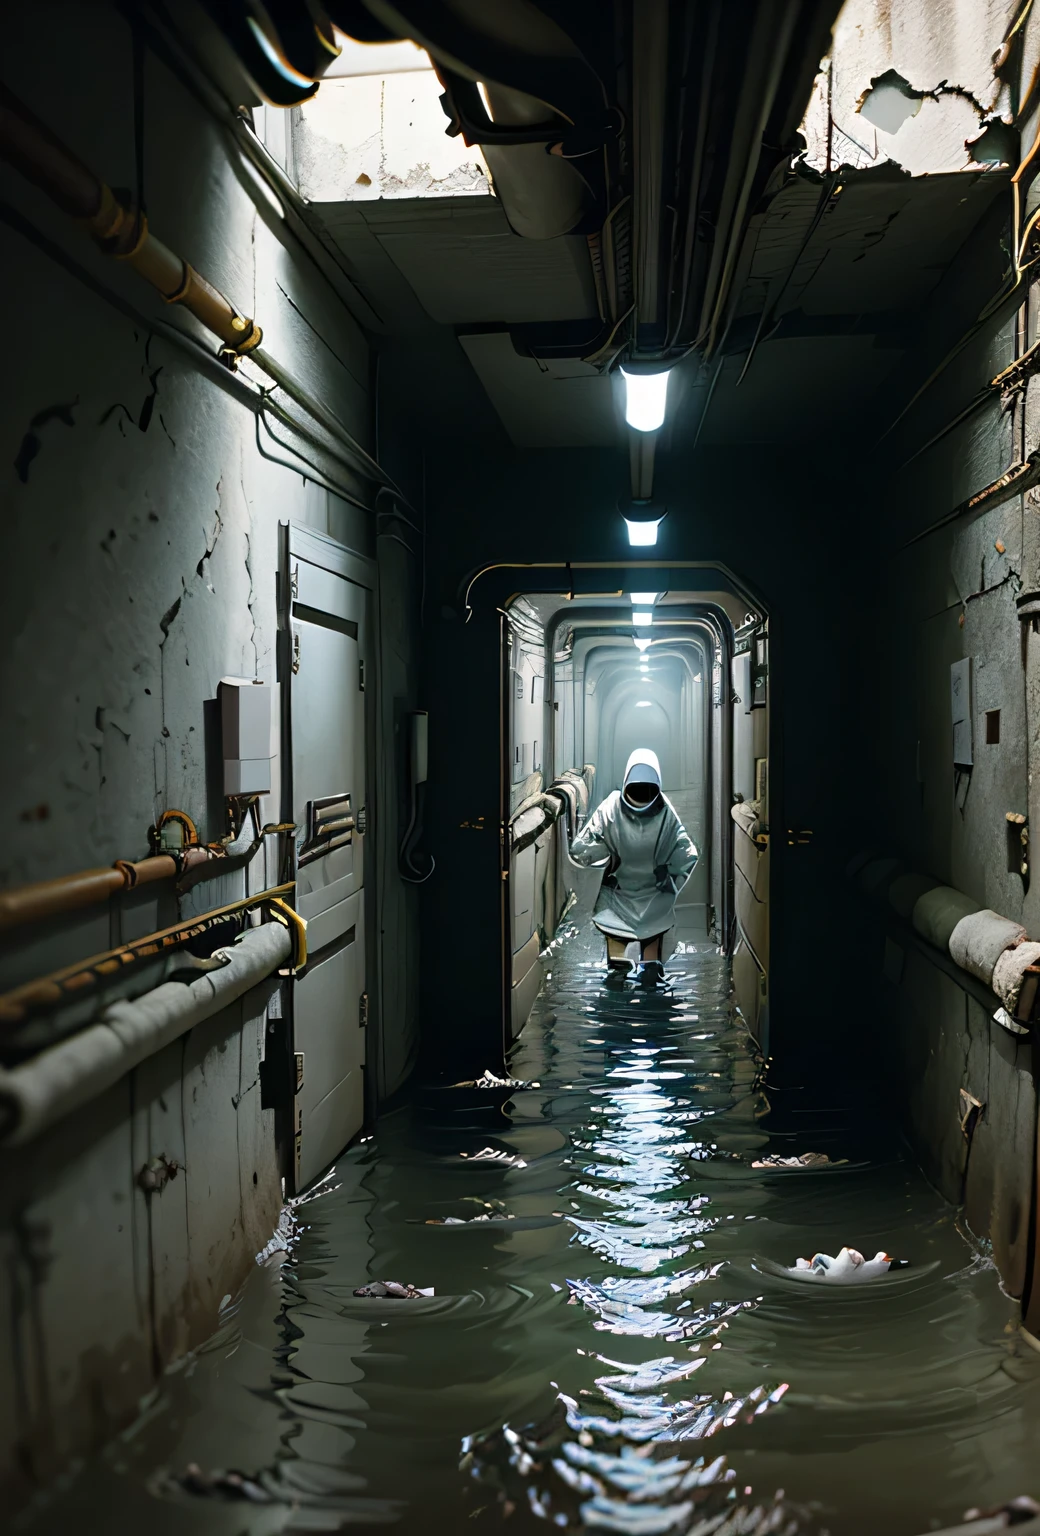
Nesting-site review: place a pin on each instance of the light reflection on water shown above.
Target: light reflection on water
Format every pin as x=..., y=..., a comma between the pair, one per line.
x=616, y=1311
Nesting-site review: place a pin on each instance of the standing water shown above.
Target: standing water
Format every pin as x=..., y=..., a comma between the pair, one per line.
x=612, y=1344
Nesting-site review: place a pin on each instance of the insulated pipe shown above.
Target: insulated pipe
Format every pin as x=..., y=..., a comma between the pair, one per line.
x=35, y=1096
x=86, y=888
x=60, y=986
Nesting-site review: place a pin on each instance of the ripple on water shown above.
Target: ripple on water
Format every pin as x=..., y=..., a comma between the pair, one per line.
x=617, y=1203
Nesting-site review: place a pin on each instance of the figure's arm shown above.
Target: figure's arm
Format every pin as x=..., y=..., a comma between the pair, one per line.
x=683, y=858
x=679, y=866
x=590, y=845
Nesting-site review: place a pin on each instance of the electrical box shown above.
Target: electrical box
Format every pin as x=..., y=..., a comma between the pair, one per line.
x=247, y=744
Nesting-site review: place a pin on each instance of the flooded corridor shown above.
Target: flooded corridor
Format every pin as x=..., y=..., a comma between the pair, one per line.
x=608, y=1347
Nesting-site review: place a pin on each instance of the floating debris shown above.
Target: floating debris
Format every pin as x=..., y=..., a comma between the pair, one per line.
x=849, y=1268
x=489, y=1079
x=495, y=1155
x=231, y=1485
x=806, y=1160
x=1018, y=1511
x=463, y=1221
x=393, y=1288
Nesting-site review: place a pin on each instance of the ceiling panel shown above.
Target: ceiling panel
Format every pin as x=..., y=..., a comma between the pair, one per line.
x=881, y=247
x=464, y=279
x=565, y=405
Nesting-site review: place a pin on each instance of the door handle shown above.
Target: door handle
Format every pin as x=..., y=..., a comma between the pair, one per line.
x=331, y=823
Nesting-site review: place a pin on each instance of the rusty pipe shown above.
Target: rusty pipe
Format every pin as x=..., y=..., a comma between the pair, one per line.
x=73, y=980
x=47, y=898
x=160, y=866
x=86, y=888
x=199, y=853
x=120, y=230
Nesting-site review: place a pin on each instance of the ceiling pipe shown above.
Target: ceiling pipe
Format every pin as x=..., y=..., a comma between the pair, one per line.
x=649, y=105
x=642, y=447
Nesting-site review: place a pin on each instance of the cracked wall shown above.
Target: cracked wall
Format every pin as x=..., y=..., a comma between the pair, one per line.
x=142, y=505
x=940, y=74
x=359, y=139
x=932, y=597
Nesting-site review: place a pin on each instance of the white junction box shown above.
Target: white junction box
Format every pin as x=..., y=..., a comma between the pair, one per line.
x=247, y=741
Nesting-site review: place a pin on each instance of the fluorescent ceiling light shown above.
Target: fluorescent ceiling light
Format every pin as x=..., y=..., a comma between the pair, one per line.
x=643, y=599
x=646, y=395
x=644, y=703
x=642, y=644
x=642, y=533
x=640, y=617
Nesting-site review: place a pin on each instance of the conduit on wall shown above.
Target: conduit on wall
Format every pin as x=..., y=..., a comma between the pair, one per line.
x=34, y=903
x=49, y=991
x=121, y=231
x=35, y=1096
x=48, y=898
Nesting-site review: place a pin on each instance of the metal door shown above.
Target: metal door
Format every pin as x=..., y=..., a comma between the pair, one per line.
x=327, y=624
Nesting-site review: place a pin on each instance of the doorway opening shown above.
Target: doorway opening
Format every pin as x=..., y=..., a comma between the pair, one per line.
x=586, y=680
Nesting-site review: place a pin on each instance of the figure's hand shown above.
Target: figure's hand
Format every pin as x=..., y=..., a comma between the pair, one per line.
x=663, y=880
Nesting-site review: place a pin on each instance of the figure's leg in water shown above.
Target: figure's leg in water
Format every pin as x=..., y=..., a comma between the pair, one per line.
x=651, y=971
x=616, y=954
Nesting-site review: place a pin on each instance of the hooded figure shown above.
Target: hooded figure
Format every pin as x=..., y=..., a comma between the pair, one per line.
x=649, y=859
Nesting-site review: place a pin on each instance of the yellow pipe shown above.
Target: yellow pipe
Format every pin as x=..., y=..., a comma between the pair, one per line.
x=119, y=230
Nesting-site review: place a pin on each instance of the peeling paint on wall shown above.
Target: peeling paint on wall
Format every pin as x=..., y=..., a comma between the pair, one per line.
x=921, y=84
x=362, y=139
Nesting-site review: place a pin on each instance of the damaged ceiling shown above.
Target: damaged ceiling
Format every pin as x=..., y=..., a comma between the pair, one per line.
x=831, y=283
x=653, y=198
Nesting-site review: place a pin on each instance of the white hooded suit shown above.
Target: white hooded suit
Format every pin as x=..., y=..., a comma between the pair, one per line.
x=650, y=857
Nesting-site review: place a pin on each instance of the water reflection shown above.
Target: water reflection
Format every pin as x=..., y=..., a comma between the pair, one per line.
x=607, y=1269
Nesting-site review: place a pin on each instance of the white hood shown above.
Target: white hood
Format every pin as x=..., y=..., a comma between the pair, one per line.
x=642, y=768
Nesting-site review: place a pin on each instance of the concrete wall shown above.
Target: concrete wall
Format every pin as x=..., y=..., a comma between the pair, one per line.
x=103, y=1285
x=922, y=607
x=141, y=504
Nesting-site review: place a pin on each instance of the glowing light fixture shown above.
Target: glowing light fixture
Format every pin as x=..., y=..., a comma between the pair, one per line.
x=643, y=599
x=642, y=644
x=644, y=703
x=646, y=395
x=642, y=532
x=641, y=616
